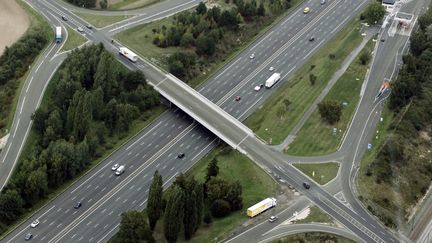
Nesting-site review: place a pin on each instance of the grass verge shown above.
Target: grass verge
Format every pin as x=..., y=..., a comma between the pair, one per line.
x=100, y=21
x=321, y=173
x=266, y=121
x=314, y=237
x=131, y=4
x=37, y=24
x=346, y=91
x=256, y=185
x=316, y=216
x=74, y=40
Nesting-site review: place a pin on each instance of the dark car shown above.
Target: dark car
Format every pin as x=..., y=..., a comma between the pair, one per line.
x=28, y=236
x=306, y=185
x=382, y=39
x=77, y=205
x=238, y=98
x=311, y=38
x=181, y=155
x=64, y=18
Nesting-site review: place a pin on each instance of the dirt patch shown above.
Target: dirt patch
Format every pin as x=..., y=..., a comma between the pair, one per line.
x=13, y=23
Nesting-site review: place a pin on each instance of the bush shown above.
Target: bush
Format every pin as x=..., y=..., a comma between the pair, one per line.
x=220, y=208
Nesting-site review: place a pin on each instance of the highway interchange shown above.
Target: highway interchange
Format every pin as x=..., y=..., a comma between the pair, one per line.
x=285, y=47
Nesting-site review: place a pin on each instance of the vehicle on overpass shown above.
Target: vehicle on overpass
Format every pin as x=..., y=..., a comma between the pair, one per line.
x=261, y=207
x=128, y=54
x=274, y=78
x=58, y=36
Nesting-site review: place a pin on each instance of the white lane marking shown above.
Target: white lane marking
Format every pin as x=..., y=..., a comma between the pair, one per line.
x=22, y=105
x=16, y=127
x=28, y=86
x=108, y=233
x=145, y=135
x=307, y=55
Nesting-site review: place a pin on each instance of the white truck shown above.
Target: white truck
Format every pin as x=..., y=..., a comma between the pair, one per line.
x=274, y=78
x=128, y=54
x=261, y=207
x=120, y=170
x=58, y=35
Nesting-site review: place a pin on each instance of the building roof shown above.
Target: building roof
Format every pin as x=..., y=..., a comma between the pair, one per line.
x=406, y=16
x=390, y=2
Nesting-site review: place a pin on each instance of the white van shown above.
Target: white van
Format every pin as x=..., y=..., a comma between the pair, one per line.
x=120, y=170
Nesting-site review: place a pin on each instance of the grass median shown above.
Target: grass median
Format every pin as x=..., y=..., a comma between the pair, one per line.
x=267, y=121
x=74, y=40
x=322, y=173
x=316, y=216
x=346, y=91
x=100, y=21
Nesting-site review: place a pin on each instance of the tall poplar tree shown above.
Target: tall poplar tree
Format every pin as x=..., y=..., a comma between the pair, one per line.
x=154, y=205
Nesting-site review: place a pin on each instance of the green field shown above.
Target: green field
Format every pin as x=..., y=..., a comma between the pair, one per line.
x=73, y=40
x=256, y=185
x=322, y=173
x=267, y=122
x=346, y=91
x=314, y=237
x=100, y=21
x=316, y=216
x=130, y=4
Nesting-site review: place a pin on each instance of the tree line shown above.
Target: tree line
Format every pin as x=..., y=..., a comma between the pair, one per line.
x=84, y=3
x=206, y=34
x=182, y=208
x=402, y=156
x=14, y=62
x=90, y=103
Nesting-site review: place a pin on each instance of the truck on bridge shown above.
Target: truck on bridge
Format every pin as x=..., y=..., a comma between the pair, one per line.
x=272, y=80
x=261, y=207
x=58, y=36
x=128, y=54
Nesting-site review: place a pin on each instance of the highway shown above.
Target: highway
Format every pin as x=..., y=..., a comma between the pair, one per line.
x=285, y=47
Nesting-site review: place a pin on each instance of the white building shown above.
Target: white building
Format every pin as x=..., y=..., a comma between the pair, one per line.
x=389, y=5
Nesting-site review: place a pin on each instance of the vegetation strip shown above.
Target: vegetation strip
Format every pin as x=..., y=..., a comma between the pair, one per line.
x=74, y=40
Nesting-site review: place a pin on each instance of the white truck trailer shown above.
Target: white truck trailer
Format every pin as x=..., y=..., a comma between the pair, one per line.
x=128, y=54
x=261, y=207
x=272, y=80
x=58, y=35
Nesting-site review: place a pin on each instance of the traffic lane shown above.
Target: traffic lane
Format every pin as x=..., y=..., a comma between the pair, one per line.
x=119, y=198
x=80, y=191
x=263, y=155
x=285, y=230
x=280, y=39
x=256, y=232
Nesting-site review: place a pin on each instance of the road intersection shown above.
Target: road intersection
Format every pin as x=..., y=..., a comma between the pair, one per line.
x=100, y=219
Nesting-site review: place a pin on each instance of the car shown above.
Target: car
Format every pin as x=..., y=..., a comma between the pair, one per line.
x=64, y=18
x=271, y=69
x=80, y=29
x=120, y=170
x=28, y=236
x=323, y=2
x=311, y=38
x=114, y=167
x=257, y=88
x=89, y=27
x=34, y=223
x=252, y=56
x=306, y=185
x=382, y=39
x=180, y=155
x=237, y=98
x=77, y=205
x=272, y=219
x=306, y=10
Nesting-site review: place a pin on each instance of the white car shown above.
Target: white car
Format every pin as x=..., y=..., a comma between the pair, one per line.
x=271, y=69
x=252, y=56
x=272, y=219
x=114, y=167
x=80, y=29
x=258, y=87
x=34, y=223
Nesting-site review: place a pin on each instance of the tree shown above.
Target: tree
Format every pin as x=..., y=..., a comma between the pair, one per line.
x=374, y=13
x=199, y=197
x=154, y=206
x=11, y=205
x=208, y=218
x=205, y=45
x=201, y=8
x=212, y=169
x=261, y=10
x=134, y=228
x=330, y=111
x=39, y=117
x=173, y=214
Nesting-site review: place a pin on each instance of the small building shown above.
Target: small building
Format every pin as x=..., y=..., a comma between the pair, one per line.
x=403, y=19
x=388, y=5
